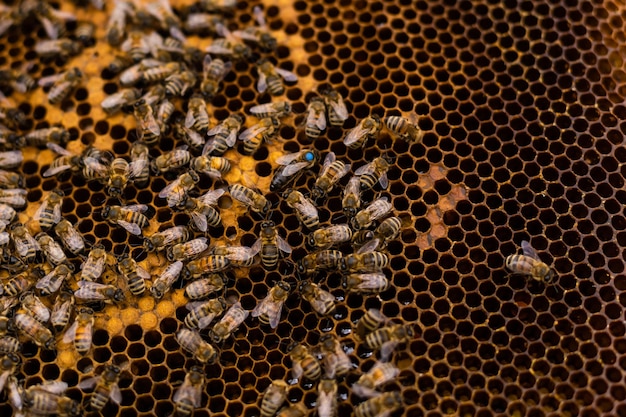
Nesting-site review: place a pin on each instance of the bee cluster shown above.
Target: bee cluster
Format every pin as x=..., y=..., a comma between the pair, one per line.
x=223, y=209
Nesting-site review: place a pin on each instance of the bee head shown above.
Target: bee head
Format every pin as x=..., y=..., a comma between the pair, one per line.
x=349, y=211
x=170, y=254
x=550, y=276
x=105, y=212
x=119, y=295
x=147, y=243
x=311, y=239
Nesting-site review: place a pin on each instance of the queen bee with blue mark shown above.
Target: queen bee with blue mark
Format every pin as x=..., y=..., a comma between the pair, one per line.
x=292, y=166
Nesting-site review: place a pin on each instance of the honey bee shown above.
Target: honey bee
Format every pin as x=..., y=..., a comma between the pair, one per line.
x=130, y=217
x=206, y=265
x=22, y=282
x=303, y=363
x=116, y=25
x=115, y=102
x=89, y=162
x=294, y=410
x=119, y=64
x=52, y=281
x=373, y=172
x=203, y=287
x=70, y=237
x=332, y=171
x=260, y=34
x=57, y=48
x=229, y=45
x=189, y=395
x=61, y=311
x=387, y=230
x=223, y=135
x=379, y=374
x=119, y=174
x=93, y=267
x=291, y=167
x=47, y=399
x=32, y=328
x=8, y=344
x=364, y=262
x=201, y=350
x=26, y=246
x=273, y=397
x=213, y=166
x=369, y=322
x=179, y=83
x=276, y=109
x=337, y=110
x=366, y=283
x=367, y=128
x=228, y=323
x=61, y=84
x=197, y=115
x=322, y=302
x=171, y=161
x=330, y=236
x=214, y=71
x=136, y=45
x=529, y=264
x=167, y=237
x=351, y=201
x=81, y=331
x=305, y=210
x=376, y=210
x=105, y=387
x=266, y=129
x=41, y=137
x=315, y=122
x=270, y=244
x=202, y=313
x=92, y=291
x=164, y=282
x=387, y=338
x=382, y=405
x=35, y=307
x=222, y=6
x=269, y=309
x=14, y=197
x=239, y=256
x=10, y=140
x=255, y=201
x=148, y=129
x=11, y=159
x=177, y=191
x=140, y=166
x=405, y=129
x=335, y=361
x=187, y=250
x=162, y=11
x=164, y=111
x=49, y=212
x=271, y=78
x=327, y=398
x=134, y=274
x=319, y=261
x=13, y=118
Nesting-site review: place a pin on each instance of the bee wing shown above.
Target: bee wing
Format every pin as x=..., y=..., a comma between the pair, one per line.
x=246, y=35
x=189, y=119
x=262, y=108
x=259, y=16
x=89, y=382
x=365, y=169
x=322, y=298
x=47, y=280
x=89, y=290
x=3, y=379
x=330, y=158
x=261, y=85
x=324, y=403
x=370, y=246
x=58, y=149
x=363, y=391
x=143, y=273
x=296, y=370
x=318, y=120
x=165, y=191
x=340, y=108
x=116, y=394
x=252, y=131
x=151, y=125
x=308, y=209
x=355, y=134
x=215, y=130
x=99, y=168
x=137, y=208
x=288, y=158
x=282, y=244
x=53, y=387
x=528, y=250
x=70, y=333
x=40, y=210
x=130, y=227
x=200, y=221
x=387, y=349
x=211, y=197
x=15, y=394
x=256, y=247
x=137, y=166
x=293, y=169
x=384, y=181
x=56, y=213
x=287, y=75
x=205, y=321
x=218, y=49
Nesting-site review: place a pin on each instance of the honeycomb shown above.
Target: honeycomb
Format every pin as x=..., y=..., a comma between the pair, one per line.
x=520, y=103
